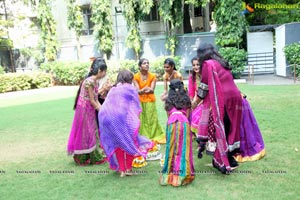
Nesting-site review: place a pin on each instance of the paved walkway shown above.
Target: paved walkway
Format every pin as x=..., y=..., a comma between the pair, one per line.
x=48, y=90
x=270, y=79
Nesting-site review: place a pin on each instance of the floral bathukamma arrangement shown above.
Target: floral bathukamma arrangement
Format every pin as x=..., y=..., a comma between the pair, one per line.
x=153, y=154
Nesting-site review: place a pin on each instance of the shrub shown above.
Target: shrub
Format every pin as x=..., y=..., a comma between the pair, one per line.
x=157, y=66
x=72, y=73
x=131, y=65
x=236, y=58
x=1, y=70
x=25, y=81
x=67, y=73
x=292, y=54
x=40, y=80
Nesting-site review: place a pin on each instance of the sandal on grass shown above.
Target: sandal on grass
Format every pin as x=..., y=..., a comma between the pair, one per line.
x=122, y=174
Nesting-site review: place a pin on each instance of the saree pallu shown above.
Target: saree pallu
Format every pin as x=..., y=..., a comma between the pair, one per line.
x=119, y=125
x=252, y=145
x=214, y=102
x=150, y=126
x=178, y=166
x=195, y=118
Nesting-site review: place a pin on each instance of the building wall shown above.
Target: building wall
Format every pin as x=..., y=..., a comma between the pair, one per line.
x=153, y=34
x=286, y=34
x=280, y=57
x=260, y=52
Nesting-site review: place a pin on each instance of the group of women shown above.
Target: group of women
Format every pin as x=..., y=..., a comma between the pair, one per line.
x=213, y=109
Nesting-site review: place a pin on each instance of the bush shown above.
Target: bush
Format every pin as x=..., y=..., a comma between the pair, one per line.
x=236, y=58
x=16, y=82
x=157, y=66
x=67, y=73
x=292, y=54
x=72, y=73
x=40, y=80
x=131, y=65
x=1, y=70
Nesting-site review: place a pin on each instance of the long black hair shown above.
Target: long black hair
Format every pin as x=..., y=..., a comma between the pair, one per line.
x=177, y=96
x=207, y=51
x=98, y=64
x=170, y=61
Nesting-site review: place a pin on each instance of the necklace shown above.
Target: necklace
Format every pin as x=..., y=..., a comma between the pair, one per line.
x=171, y=76
x=144, y=77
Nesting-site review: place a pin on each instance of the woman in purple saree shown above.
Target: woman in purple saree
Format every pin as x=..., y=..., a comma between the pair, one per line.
x=119, y=125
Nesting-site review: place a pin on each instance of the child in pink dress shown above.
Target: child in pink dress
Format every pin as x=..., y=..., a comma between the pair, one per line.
x=178, y=166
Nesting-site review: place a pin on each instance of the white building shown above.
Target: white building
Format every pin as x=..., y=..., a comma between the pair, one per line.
x=152, y=28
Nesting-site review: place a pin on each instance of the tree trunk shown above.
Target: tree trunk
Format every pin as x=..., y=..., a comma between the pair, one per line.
x=78, y=48
x=206, y=18
x=187, y=27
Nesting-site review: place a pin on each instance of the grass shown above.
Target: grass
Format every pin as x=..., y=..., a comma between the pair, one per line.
x=33, y=163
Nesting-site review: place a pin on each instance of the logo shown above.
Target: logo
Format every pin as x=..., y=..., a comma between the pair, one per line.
x=246, y=9
x=276, y=6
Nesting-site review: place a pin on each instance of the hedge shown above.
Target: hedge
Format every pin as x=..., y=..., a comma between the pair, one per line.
x=72, y=73
x=24, y=81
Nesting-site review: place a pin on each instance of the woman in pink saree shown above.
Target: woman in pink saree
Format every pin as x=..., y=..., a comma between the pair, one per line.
x=83, y=141
x=223, y=111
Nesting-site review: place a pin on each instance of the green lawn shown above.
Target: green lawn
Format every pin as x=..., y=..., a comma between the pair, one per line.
x=34, y=131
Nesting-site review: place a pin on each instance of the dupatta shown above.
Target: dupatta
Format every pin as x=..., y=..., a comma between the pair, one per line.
x=214, y=102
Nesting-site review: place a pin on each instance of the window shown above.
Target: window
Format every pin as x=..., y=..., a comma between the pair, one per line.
x=153, y=15
x=87, y=22
x=198, y=11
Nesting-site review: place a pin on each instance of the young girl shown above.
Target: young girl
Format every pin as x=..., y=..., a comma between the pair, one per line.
x=83, y=140
x=178, y=166
x=145, y=82
x=170, y=74
x=193, y=84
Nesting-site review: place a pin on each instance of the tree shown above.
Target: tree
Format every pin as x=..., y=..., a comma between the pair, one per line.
x=48, y=30
x=172, y=14
x=102, y=18
x=231, y=25
x=75, y=21
x=196, y=3
x=5, y=41
x=4, y=38
x=134, y=11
